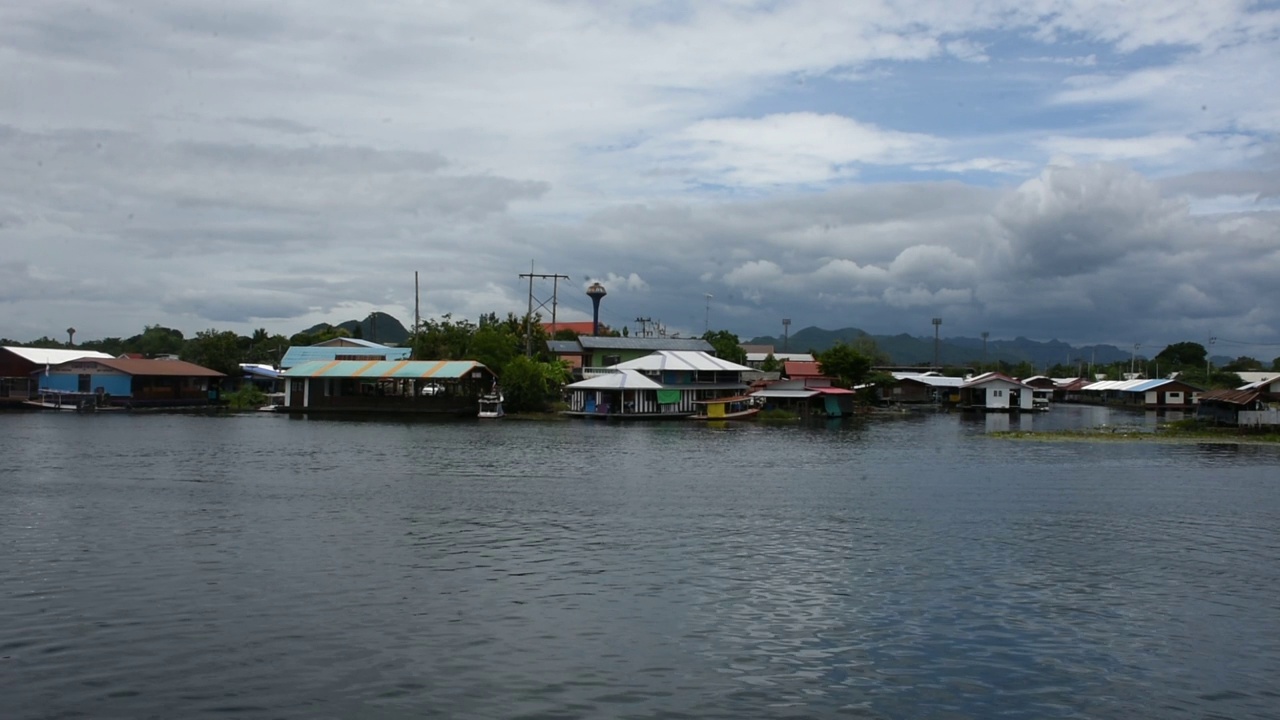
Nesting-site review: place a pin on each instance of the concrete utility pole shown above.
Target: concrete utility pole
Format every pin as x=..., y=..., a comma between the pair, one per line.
x=937, y=322
x=1133, y=359
x=1207, y=361
x=985, y=335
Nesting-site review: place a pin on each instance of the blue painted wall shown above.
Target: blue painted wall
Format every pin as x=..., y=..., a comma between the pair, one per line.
x=115, y=385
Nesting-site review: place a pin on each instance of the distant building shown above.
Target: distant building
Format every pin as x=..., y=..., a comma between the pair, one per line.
x=339, y=349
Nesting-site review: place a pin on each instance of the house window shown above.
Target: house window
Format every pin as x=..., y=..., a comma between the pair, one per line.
x=997, y=393
x=612, y=360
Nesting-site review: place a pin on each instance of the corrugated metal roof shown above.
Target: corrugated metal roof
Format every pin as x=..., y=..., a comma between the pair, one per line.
x=621, y=380
x=54, y=356
x=302, y=354
x=795, y=368
x=594, y=342
x=386, y=369
x=1233, y=397
x=153, y=368
x=1136, y=385
x=681, y=360
x=785, y=394
x=780, y=357
x=349, y=342
x=562, y=347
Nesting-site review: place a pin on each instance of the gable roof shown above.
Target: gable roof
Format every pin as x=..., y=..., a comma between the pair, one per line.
x=348, y=342
x=380, y=369
x=990, y=377
x=1233, y=397
x=681, y=360
x=54, y=356
x=153, y=368
x=298, y=355
x=582, y=327
x=620, y=380
x=600, y=342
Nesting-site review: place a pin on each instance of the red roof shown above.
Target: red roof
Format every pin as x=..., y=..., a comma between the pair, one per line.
x=797, y=368
x=582, y=327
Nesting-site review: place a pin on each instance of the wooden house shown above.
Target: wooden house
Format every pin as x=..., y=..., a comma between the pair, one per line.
x=1249, y=407
x=404, y=386
x=134, y=383
x=1151, y=394
x=912, y=388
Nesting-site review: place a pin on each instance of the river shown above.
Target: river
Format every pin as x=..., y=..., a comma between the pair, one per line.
x=262, y=566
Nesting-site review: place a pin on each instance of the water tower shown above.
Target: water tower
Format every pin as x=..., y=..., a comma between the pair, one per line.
x=595, y=292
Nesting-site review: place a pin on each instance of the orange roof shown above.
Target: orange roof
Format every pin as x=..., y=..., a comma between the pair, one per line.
x=170, y=368
x=582, y=327
x=799, y=368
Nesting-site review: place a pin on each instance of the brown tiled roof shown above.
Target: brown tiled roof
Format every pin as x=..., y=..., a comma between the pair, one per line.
x=799, y=368
x=170, y=368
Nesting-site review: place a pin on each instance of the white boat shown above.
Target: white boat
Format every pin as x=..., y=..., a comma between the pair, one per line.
x=491, y=405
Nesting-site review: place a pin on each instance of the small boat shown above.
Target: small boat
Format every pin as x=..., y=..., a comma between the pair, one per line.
x=736, y=407
x=491, y=405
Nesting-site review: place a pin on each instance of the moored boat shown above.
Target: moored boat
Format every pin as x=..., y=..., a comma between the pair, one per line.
x=735, y=407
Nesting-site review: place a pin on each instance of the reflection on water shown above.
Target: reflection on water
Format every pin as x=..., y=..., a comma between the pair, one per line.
x=907, y=567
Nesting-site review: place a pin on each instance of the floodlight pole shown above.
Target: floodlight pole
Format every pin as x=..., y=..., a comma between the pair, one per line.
x=937, y=323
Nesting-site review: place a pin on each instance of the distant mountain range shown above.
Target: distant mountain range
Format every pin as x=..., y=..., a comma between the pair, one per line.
x=378, y=327
x=909, y=350
x=904, y=349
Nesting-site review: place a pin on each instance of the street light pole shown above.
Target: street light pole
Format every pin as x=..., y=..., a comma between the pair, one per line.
x=937, y=322
x=786, y=335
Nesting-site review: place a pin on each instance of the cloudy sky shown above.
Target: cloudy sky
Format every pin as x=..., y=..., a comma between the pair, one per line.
x=1088, y=170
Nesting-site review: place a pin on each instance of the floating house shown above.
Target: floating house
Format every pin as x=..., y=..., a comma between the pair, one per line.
x=133, y=383
x=1253, y=406
x=994, y=391
x=1152, y=394
x=342, y=349
x=18, y=365
x=913, y=388
x=808, y=396
x=592, y=354
x=404, y=386
x=666, y=384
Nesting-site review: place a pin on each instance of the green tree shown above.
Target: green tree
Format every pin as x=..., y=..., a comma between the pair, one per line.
x=868, y=346
x=156, y=340
x=444, y=339
x=1275, y=364
x=1244, y=363
x=529, y=385
x=1181, y=355
x=771, y=363
x=726, y=346
x=495, y=346
x=845, y=364
x=215, y=350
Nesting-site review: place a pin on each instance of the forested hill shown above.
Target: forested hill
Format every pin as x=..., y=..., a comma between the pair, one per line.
x=910, y=350
x=377, y=327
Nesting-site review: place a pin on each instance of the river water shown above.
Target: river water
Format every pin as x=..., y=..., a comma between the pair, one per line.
x=262, y=566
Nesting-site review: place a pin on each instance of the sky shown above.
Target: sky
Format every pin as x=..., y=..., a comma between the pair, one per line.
x=1085, y=170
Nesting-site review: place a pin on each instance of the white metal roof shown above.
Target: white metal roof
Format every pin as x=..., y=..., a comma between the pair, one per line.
x=620, y=380
x=796, y=394
x=44, y=356
x=930, y=379
x=695, y=360
x=1136, y=385
x=780, y=357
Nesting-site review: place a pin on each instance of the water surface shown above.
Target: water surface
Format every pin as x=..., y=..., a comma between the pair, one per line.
x=267, y=566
